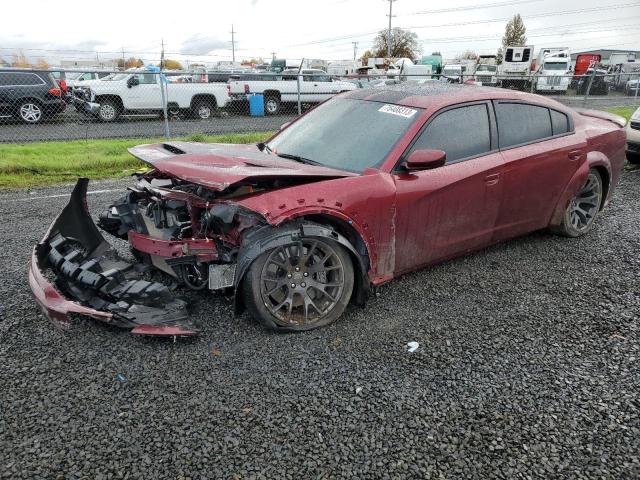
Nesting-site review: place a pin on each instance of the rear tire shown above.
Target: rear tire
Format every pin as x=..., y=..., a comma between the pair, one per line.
x=203, y=109
x=30, y=112
x=299, y=286
x=580, y=215
x=272, y=105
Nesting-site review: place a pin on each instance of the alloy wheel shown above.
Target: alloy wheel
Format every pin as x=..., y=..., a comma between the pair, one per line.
x=585, y=205
x=204, y=112
x=30, y=112
x=271, y=106
x=107, y=111
x=301, y=283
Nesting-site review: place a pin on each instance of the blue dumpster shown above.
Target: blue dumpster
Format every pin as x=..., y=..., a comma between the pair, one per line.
x=256, y=105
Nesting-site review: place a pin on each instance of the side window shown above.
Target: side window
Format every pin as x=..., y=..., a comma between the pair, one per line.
x=520, y=123
x=445, y=133
x=559, y=122
x=103, y=74
x=146, y=78
x=5, y=79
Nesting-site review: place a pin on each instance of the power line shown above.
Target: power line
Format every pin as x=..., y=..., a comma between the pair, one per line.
x=473, y=7
x=494, y=37
x=473, y=22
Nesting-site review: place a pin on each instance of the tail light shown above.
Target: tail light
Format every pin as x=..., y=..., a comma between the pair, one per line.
x=56, y=92
x=246, y=88
x=228, y=90
x=63, y=85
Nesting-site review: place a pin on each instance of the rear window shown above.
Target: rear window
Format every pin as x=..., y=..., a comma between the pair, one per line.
x=559, y=122
x=520, y=123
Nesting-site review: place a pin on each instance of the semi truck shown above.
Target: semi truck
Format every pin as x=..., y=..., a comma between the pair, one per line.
x=515, y=70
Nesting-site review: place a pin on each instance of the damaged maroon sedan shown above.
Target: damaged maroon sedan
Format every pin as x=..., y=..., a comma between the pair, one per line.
x=361, y=189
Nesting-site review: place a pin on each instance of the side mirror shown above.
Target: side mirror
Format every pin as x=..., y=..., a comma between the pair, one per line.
x=133, y=81
x=284, y=125
x=425, y=160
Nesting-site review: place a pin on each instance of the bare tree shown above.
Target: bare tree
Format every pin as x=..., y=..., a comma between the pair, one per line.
x=404, y=44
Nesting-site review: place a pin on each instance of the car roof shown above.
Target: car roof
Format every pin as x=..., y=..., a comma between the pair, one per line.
x=440, y=94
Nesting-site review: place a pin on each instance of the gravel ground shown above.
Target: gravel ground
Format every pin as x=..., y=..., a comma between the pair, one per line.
x=528, y=367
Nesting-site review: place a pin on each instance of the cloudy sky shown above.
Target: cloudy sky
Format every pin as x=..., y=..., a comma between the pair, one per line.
x=199, y=30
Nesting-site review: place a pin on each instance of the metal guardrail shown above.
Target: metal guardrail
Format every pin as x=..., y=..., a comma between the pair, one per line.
x=150, y=104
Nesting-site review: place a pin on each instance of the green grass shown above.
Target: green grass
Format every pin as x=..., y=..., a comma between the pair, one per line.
x=625, y=112
x=47, y=163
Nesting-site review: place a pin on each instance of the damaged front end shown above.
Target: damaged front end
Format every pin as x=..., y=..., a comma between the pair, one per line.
x=184, y=218
x=87, y=269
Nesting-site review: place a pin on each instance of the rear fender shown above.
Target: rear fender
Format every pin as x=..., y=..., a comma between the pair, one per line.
x=594, y=160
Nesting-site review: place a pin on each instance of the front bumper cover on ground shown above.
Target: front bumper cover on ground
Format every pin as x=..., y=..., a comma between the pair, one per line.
x=91, y=280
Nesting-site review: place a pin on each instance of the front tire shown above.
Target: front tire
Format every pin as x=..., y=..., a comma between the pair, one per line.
x=109, y=111
x=299, y=286
x=581, y=213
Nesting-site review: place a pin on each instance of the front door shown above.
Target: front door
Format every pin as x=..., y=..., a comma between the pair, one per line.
x=146, y=95
x=452, y=209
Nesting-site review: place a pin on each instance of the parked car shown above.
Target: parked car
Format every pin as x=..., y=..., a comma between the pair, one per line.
x=360, y=190
x=315, y=87
x=633, y=138
x=595, y=83
x=632, y=87
x=29, y=95
x=140, y=93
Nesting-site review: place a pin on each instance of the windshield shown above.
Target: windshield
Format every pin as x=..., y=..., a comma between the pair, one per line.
x=555, y=66
x=486, y=68
x=73, y=75
x=345, y=133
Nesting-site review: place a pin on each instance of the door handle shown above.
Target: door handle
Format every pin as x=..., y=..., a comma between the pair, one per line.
x=492, y=179
x=574, y=155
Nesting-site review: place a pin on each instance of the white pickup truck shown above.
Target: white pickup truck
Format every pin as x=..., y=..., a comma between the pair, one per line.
x=139, y=93
x=315, y=87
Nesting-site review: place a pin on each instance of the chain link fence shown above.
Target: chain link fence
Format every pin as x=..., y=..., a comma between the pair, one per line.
x=38, y=105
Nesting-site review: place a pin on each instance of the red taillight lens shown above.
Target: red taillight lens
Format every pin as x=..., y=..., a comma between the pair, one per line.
x=56, y=92
x=228, y=90
x=246, y=88
x=63, y=85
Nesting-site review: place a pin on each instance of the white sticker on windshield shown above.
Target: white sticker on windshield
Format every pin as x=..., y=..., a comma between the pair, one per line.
x=398, y=110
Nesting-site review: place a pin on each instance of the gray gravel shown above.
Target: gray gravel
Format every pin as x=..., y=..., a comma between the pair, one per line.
x=528, y=367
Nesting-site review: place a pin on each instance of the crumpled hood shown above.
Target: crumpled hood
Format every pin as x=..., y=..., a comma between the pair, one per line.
x=218, y=166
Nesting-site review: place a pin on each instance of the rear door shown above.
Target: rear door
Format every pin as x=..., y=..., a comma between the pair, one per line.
x=452, y=209
x=541, y=153
x=6, y=88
